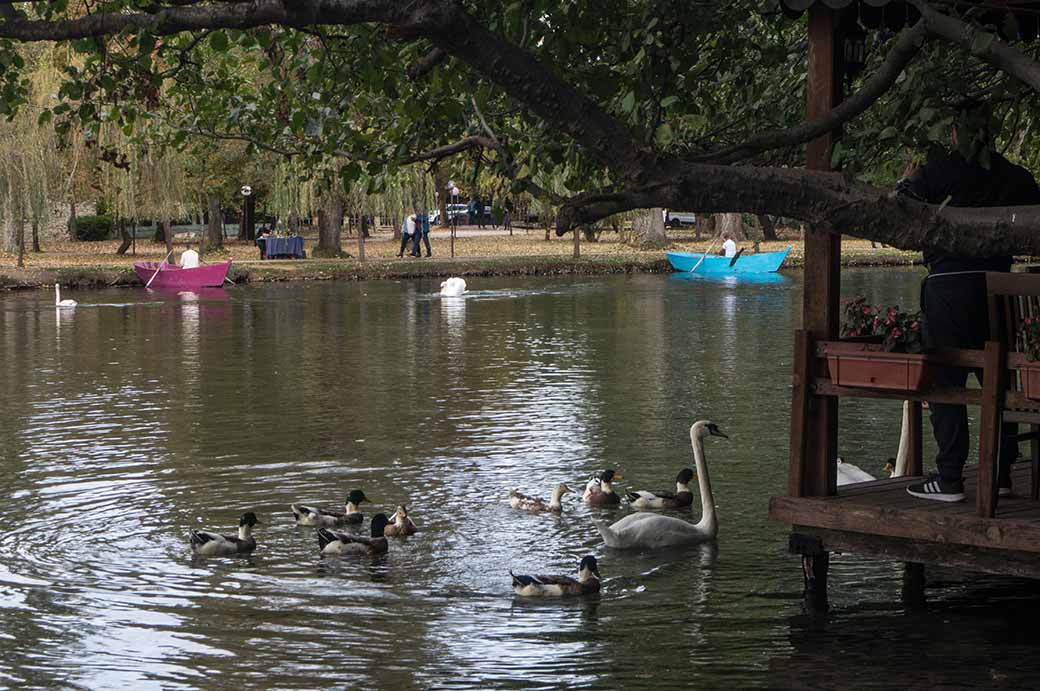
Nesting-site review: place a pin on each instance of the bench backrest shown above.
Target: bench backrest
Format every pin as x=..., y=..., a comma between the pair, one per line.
x=1011, y=298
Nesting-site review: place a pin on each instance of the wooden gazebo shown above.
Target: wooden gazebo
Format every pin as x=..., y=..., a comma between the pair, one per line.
x=879, y=518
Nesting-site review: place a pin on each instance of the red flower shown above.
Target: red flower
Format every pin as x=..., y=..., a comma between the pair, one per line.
x=854, y=332
x=896, y=332
x=867, y=309
x=915, y=325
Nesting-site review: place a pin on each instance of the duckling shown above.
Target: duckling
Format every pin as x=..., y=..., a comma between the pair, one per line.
x=207, y=544
x=536, y=505
x=402, y=525
x=600, y=492
x=308, y=515
x=681, y=498
x=345, y=543
x=557, y=586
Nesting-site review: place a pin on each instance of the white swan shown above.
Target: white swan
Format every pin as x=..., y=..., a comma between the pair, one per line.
x=849, y=474
x=650, y=531
x=58, y=302
x=453, y=287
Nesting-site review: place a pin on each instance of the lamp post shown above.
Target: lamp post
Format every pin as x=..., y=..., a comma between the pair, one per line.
x=453, y=198
x=247, y=231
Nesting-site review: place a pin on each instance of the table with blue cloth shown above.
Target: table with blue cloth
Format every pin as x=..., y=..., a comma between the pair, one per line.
x=275, y=248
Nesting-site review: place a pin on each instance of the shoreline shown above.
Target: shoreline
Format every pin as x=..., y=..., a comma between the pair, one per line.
x=101, y=269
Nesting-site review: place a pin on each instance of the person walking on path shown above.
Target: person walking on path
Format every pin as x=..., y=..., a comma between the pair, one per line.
x=408, y=234
x=422, y=232
x=953, y=295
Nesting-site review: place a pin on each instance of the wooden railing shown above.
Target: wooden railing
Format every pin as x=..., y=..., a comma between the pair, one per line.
x=811, y=382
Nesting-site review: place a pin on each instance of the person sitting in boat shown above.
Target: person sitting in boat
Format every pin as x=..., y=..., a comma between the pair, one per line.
x=189, y=259
x=729, y=248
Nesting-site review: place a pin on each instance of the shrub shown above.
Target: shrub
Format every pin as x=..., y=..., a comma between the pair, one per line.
x=93, y=227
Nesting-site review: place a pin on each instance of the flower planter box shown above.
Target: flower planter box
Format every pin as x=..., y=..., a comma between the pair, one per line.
x=881, y=370
x=1030, y=377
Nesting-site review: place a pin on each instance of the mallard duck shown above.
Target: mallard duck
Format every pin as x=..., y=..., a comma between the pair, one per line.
x=345, y=543
x=207, y=544
x=586, y=583
x=308, y=515
x=651, y=531
x=599, y=491
x=681, y=498
x=402, y=525
x=536, y=505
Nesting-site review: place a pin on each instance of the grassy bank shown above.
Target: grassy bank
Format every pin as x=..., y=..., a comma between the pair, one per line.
x=478, y=253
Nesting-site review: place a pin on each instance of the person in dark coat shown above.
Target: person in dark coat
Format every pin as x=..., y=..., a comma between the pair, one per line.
x=953, y=300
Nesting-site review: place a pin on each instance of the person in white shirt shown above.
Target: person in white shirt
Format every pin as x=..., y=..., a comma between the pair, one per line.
x=729, y=248
x=189, y=259
x=407, y=232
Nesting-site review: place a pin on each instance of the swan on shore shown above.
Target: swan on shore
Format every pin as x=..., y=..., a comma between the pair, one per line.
x=652, y=531
x=58, y=302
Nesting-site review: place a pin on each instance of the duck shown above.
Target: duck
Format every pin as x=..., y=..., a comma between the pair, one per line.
x=402, y=525
x=330, y=542
x=538, y=505
x=308, y=515
x=599, y=491
x=681, y=498
x=58, y=302
x=453, y=287
x=849, y=474
x=209, y=544
x=586, y=583
x=652, y=531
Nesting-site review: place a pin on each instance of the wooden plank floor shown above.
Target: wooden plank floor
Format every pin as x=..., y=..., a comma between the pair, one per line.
x=884, y=508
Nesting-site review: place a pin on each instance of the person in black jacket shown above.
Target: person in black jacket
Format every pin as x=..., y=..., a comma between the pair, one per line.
x=953, y=300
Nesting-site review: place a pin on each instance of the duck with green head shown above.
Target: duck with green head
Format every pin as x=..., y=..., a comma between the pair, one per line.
x=681, y=498
x=309, y=515
x=599, y=491
x=586, y=583
x=332, y=543
x=209, y=544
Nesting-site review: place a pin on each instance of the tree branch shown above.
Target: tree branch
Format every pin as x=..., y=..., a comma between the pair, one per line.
x=426, y=63
x=906, y=47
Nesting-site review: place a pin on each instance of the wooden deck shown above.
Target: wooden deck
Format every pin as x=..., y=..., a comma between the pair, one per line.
x=880, y=519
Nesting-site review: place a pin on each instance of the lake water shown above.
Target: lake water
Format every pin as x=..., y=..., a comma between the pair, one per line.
x=135, y=418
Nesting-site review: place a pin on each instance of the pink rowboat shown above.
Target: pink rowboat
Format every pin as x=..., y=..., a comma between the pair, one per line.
x=171, y=276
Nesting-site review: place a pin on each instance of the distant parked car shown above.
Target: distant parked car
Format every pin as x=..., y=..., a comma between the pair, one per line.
x=454, y=211
x=679, y=219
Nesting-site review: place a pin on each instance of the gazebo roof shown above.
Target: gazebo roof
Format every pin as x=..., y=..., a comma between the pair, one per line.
x=1013, y=18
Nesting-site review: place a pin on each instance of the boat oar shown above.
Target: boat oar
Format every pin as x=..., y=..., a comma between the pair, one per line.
x=158, y=269
x=710, y=247
x=736, y=257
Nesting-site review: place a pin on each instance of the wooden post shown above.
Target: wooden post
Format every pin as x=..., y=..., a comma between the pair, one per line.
x=814, y=571
x=820, y=298
x=913, y=585
x=577, y=243
x=800, y=397
x=994, y=383
x=916, y=465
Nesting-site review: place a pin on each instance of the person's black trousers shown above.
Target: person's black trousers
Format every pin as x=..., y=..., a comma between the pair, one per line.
x=404, y=243
x=425, y=236
x=956, y=316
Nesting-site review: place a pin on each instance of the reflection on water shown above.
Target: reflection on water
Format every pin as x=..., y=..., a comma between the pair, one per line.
x=140, y=415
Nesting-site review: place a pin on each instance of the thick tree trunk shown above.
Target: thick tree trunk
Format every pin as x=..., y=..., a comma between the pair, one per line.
x=215, y=227
x=440, y=180
x=731, y=225
x=36, y=234
x=648, y=230
x=362, y=231
x=167, y=232
x=768, y=228
x=127, y=239
x=159, y=234
x=294, y=222
x=19, y=236
x=705, y=225
x=72, y=218
x=330, y=228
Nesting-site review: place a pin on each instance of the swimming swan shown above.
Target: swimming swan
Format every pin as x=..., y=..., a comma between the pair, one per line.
x=651, y=531
x=453, y=287
x=58, y=302
x=849, y=474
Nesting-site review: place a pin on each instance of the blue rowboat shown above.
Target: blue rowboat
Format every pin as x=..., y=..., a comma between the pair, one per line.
x=764, y=263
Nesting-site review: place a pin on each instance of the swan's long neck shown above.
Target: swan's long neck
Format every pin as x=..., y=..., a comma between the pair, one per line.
x=903, y=455
x=57, y=294
x=244, y=532
x=707, y=523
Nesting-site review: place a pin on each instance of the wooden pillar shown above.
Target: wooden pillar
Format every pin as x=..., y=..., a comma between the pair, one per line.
x=913, y=586
x=820, y=300
x=994, y=384
x=916, y=465
x=814, y=572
